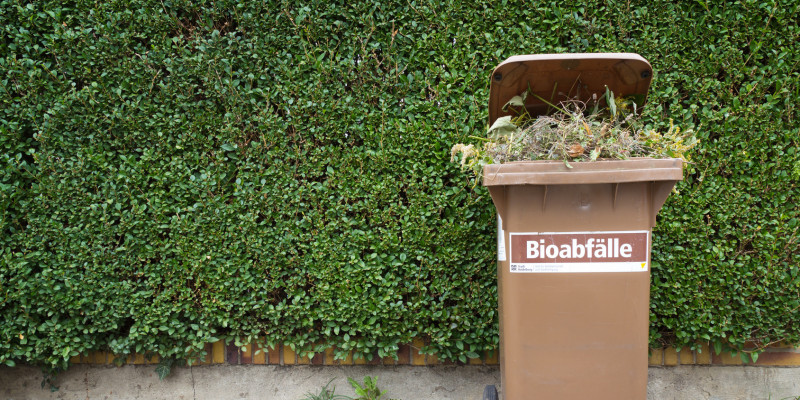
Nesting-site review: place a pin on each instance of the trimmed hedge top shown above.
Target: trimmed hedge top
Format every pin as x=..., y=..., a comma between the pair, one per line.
x=174, y=173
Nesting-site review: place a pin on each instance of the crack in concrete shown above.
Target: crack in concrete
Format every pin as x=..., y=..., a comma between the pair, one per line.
x=194, y=393
x=86, y=381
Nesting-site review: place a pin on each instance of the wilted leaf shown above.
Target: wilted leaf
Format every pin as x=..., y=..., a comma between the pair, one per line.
x=503, y=127
x=516, y=101
x=576, y=150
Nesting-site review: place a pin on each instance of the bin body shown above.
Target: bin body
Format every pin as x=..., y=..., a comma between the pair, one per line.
x=569, y=329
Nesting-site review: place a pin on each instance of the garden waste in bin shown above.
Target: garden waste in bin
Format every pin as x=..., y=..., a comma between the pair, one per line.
x=574, y=242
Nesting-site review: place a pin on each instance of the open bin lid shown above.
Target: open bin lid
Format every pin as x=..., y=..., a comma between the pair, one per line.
x=560, y=77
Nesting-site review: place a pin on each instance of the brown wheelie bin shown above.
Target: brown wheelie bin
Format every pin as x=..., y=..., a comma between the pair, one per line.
x=574, y=243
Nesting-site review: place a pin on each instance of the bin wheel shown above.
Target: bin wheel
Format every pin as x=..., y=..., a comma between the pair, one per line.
x=490, y=393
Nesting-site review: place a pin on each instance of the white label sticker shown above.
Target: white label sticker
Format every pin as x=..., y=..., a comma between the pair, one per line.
x=501, y=240
x=564, y=252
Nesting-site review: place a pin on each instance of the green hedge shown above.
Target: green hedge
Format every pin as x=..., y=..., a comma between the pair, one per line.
x=178, y=172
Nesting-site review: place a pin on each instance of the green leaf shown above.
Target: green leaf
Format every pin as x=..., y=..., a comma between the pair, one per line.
x=163, y=370
x=744, y=356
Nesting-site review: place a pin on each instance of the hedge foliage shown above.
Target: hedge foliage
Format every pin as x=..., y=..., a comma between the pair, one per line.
x=178, y=172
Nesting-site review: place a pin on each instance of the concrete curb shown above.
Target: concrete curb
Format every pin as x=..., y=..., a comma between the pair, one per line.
x=400, y=382
x=246, y=382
